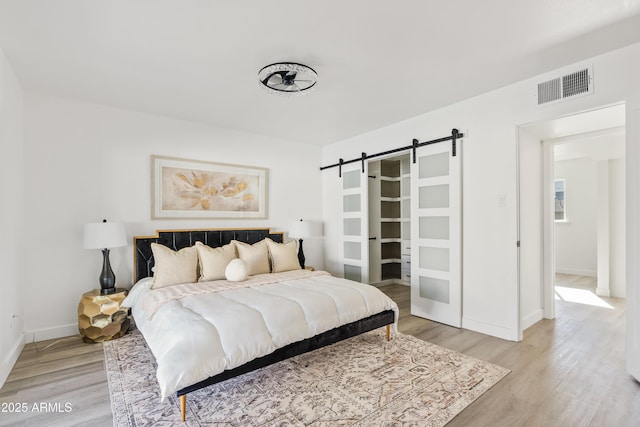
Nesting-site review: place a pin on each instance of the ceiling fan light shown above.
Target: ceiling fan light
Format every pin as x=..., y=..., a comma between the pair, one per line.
x=289, y=78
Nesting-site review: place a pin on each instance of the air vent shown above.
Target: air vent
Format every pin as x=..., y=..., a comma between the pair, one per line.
x=549, y=91
x=567, y=86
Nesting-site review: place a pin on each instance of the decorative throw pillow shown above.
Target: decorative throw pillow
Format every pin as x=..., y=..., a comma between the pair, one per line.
x=174, y=267
x=256, y=256
x=236, y=271
x=284, y=256
x=213, y=261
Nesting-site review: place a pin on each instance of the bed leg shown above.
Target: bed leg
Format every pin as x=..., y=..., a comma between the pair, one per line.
x=183, y=407
x=388, y=332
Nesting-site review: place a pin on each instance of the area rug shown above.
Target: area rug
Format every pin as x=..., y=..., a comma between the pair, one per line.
x=363, y=381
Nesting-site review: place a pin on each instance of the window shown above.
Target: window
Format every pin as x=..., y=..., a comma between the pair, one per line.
x=560, y=200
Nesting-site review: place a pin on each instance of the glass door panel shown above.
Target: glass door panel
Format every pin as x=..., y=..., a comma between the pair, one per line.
x=354, y=250
x=436, y=287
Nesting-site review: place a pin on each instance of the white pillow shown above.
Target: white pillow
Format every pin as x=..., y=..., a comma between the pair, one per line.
x=256, y=257
x=236, y=271
x=213, y=261
x=284, y=257
x=174, y=267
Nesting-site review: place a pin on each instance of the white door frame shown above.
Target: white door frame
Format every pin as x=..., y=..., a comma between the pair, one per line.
x=549, y=238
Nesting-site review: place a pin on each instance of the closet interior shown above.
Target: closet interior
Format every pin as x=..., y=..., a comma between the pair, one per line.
x=390, y=221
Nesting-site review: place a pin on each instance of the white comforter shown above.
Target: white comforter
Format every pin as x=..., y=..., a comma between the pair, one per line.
x=199, y=336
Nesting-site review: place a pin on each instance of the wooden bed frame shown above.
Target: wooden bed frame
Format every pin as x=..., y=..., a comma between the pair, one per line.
x=178, y=239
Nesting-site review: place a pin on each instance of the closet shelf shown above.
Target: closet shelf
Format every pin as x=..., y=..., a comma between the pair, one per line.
x=391, y=240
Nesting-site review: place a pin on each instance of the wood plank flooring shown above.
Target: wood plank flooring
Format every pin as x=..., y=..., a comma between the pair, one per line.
x=566, y=372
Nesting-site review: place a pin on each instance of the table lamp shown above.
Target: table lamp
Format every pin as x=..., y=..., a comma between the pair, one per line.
x=105, y=235
x=300, y=230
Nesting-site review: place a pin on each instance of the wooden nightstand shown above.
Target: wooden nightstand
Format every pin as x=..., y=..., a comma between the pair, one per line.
x=102, y=317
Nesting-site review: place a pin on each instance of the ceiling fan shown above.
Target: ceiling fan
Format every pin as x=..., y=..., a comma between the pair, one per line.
x=288, y=78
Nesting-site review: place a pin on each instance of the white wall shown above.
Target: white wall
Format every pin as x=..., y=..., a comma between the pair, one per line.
x=87, y=162
x=576, y=239
x=11, y=217
x=530, y=212
x=617, y=228
x=632, y=182
x=490, y=283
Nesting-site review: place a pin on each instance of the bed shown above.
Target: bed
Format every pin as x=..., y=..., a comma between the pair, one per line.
x=202, y=332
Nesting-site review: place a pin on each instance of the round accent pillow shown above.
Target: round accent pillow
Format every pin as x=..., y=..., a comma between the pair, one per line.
x=236, y=270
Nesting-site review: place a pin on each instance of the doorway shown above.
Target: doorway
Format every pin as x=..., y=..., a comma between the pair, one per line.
x=589, y=178
x=592, y=141
x=390, y=221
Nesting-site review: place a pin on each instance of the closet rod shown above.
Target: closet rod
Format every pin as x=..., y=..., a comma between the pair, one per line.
x=454, y=135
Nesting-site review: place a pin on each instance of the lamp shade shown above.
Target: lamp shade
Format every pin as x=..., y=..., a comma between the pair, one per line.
x=104, y=235
x=300, y=230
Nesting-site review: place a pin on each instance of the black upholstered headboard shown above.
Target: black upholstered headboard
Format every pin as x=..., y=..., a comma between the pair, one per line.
x=178, y=239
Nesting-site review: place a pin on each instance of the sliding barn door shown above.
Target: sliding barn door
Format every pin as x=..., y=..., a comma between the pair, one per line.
x=436, y=224
x=354, y=248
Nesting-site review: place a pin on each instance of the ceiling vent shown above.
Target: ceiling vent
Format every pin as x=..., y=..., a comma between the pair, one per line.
x=567, y=86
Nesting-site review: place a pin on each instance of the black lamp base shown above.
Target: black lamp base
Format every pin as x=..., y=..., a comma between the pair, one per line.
x=107, y=278
x=301, y=255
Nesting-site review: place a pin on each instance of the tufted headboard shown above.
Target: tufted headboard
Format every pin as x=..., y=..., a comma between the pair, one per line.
x=178, y=239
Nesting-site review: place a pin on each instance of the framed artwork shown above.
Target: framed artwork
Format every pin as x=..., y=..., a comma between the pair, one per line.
x=182, y=188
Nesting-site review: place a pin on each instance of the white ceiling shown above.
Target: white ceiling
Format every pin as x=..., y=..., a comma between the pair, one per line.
x=378, y=61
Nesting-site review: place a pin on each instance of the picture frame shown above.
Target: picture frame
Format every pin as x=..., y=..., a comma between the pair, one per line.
x=196, y=189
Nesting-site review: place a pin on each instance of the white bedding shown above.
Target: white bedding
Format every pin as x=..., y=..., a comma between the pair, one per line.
x=199, y=336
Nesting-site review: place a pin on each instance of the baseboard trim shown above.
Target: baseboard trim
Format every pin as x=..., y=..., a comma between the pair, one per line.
x=532, y=318
x=577, y=272
x=51, y=333
x=11, y=359
x=603, y=292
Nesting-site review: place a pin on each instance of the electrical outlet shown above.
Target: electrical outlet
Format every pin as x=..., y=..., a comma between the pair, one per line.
x=501, y=200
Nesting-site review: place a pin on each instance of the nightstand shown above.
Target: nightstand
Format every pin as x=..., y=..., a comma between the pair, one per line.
x=102, y=317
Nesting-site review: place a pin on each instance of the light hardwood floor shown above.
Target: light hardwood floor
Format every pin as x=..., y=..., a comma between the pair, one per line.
x=566, y=372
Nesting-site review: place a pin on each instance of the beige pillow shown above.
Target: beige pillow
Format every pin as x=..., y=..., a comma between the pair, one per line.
x=284, y=257
x=255, y=257
x=172, y=268
x=213, y=261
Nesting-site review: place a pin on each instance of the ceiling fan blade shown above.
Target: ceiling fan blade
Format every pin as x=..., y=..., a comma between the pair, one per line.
x=274, y=80
x=278, y=74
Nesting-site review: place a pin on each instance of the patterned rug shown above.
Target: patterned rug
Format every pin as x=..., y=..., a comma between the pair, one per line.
x=363, y=381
